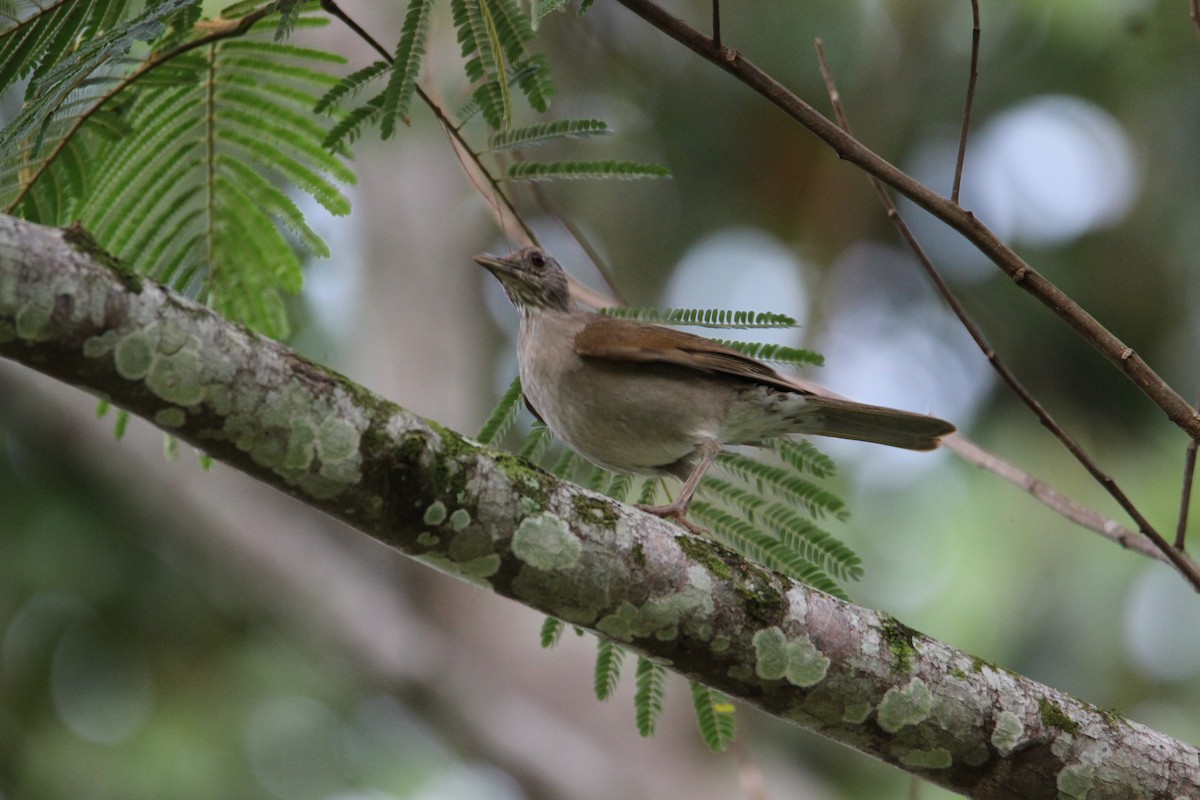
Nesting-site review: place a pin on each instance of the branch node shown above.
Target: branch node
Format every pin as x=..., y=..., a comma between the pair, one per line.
x=1127, y=354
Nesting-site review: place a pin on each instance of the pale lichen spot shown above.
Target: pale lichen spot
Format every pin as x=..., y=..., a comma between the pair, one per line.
x=133, y=356
x=428, y=539
x=460, y=518
x=436, y=513
x=1075, y=781
x=170, y=417
x=905, y=705
x=33, y=323
x=935, y=758
x=546, y=542
x=857, y=713
x=337, y=440
x=177, y=378
x=1007, y=732
x=797, y=660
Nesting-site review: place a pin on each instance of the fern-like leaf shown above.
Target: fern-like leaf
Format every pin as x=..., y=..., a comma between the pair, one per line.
x=196, y=191
x=761, y=548
x=583, y=170
x=783, y=483
x=350, y=86
x=651, y=683
x=53, y=87
x=536, y=441
x=702, y=317
x=714, y=716
x=796, y=535
x=547, y=132
x=398, y=94
x=551, y=632
x=544, y=7
x=608, y=668
x=503, y=415
x=289, y=16
x=778, y=353
x=804, y=456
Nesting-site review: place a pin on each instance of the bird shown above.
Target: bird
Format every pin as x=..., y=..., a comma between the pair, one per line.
x=650, y=400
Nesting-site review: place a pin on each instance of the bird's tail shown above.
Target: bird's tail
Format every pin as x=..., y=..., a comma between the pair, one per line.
x=845, y=419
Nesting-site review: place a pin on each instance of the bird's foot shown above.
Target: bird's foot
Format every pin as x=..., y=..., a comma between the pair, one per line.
x=673, y=511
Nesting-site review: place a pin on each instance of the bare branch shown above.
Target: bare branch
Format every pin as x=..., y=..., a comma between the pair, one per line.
x=1183, y=564
x=1185, y=499
x=973, y=76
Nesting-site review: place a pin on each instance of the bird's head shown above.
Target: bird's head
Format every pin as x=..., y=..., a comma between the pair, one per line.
x=531, y=278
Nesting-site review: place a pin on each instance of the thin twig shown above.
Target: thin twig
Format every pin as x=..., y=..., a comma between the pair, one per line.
x=1184, y=565
x=716, y=26
x=153, y=62
x=1195, y=15
x=970, y=101
x=1133, y=366
x=547, y=205
x=1185, y=500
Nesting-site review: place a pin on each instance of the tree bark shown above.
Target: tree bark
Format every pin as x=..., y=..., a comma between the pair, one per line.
x=854, y=675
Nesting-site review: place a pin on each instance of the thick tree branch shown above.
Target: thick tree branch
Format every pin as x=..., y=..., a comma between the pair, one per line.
x=854, y=675
x=960, y=219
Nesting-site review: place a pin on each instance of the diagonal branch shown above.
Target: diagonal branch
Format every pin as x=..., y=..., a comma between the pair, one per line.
x=1133, y=366
x=856, y=676
x=1177, y=558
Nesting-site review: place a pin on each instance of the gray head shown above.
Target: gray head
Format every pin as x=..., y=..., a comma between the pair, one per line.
x=531, y=278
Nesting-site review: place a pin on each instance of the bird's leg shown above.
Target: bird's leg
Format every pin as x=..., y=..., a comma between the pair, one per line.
x=677, y=509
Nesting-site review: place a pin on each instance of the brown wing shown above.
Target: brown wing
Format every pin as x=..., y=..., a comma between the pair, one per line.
x=625, y=340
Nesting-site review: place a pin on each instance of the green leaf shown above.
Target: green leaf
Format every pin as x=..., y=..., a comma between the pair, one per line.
x=608, y=668
x=761, y=548
x=702, y=317
x=583, y=170
x=783, y=483
x=651, y=682
x=803, y=456
x=545, y=132
x=350, y=86
x=503, y=415
x=398, y=95
x=551, y=632
x=778, y=353
x=714, y=716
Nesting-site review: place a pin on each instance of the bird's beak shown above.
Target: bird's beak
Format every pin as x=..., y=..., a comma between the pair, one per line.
x=494, y=264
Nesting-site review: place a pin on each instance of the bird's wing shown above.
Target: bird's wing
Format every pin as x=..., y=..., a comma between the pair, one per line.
x=625, y=340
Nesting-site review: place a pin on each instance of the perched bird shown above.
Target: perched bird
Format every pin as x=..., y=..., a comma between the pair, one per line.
x=650, y=400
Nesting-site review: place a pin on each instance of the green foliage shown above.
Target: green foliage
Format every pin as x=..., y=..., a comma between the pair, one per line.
x=545, y=132
x=289, y=16
x=702, y=317
x=778, y=353
x=783, y=482
x=583, y=170
x=187, y=166
x=608, y=668
x=189, y=175
x=407, y=62
x=552, y=630
x=803, y=456
x=503, y=415
x=651, y=683
x=69, y=52
x=735, y=532
x=714, y=716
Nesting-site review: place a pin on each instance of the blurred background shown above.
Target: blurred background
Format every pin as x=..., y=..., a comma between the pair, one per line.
x=167, y=631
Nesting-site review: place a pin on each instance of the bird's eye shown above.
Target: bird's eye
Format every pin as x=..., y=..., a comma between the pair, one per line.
x=537, y=260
